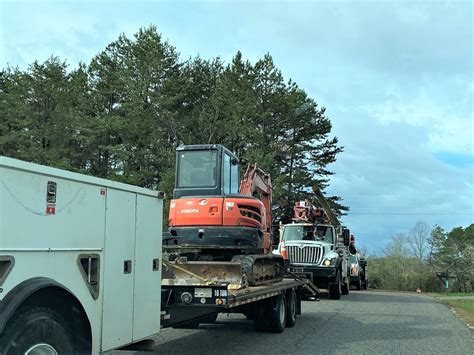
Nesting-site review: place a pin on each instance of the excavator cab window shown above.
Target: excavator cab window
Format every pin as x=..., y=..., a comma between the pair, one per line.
x=206, y=170
x=234, y=177
x=227, y=179
x=231, y=175
x=197, y=168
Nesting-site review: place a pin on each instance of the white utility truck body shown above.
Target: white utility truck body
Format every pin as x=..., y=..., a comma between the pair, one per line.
x=87, y=248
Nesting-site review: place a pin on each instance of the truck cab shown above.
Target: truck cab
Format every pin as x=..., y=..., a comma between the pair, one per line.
x=316, y=251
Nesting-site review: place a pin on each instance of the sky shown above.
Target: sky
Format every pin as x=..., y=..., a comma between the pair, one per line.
x=396, y=78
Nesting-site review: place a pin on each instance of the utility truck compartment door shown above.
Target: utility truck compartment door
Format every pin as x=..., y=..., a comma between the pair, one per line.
x=119, y=269
x=147, y=298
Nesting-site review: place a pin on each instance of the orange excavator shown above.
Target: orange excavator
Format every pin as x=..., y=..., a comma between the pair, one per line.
x=216, y=216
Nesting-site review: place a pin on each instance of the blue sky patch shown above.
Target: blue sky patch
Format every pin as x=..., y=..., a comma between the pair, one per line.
x=455, y=159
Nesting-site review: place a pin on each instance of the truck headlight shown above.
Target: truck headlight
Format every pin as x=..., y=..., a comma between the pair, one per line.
x=329, y=262
x=186, y=297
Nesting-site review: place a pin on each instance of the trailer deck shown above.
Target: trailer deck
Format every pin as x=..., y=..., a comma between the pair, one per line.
x=194, y=304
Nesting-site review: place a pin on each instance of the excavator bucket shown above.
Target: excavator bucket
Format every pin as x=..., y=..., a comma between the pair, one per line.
x=195, y=273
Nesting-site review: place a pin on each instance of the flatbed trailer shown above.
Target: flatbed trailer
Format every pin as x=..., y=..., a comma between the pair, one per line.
x=272, y=307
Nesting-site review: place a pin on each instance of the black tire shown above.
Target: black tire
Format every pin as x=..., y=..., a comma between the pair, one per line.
x=335, y=289
x=291, y=302
x=277, y=314
x=271, y=316
x=260, y=318
x=33, y=326
x=359, y=285
x=345, y=288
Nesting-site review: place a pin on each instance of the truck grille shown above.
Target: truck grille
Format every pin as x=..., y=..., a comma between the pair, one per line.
x=308, y=254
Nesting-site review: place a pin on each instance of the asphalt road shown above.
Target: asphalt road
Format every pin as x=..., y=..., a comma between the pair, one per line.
x=363, y=322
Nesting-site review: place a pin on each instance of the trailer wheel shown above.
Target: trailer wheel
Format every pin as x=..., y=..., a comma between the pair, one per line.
x=260, y=318
x=37, y=330
x=291, y=302
x=335, y=288
x=277, y=314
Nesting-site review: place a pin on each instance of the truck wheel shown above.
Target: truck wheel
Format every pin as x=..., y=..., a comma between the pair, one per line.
x=335, y=288
x=291, y=308
x=345, y=288
x=359, y=285
x=37, y=330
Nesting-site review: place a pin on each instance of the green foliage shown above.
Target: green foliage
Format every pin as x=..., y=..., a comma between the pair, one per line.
x=122, y=116
x=453, y=253
x=411, y=262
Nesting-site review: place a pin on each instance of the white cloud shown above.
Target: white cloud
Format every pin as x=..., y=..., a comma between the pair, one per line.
x=448, y=121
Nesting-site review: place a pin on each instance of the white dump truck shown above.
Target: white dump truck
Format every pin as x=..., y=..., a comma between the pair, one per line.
x=81, y=268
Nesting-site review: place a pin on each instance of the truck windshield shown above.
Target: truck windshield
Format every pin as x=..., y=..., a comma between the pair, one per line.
x=197, y=168
x=298, y=232
x=324, y=233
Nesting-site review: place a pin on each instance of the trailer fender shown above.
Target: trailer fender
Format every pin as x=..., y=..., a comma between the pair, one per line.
x=15, y=298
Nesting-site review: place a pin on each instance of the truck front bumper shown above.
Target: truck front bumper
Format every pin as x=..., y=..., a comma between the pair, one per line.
x=320, y=276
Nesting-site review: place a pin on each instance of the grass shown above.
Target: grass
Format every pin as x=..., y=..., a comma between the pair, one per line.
x=450, y=294
x=465, y=309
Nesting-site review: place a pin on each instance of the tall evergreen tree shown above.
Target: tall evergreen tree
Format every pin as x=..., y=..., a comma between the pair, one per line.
x=123, y=115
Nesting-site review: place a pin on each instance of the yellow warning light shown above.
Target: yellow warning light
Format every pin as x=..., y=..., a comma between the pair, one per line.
x=219, y=302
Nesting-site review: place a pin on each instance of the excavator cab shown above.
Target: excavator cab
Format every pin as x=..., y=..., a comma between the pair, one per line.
x=206, y=170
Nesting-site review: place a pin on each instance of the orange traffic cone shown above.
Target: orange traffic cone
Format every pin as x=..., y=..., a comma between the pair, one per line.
x=283, y=251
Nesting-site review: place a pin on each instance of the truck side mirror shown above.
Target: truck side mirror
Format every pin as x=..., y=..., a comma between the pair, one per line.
x=346, y=235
